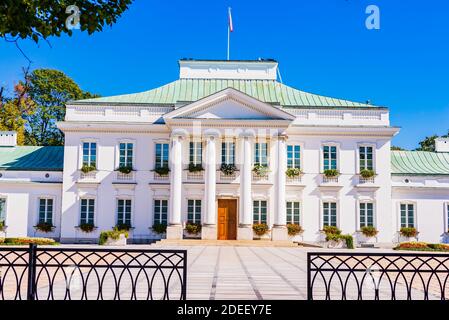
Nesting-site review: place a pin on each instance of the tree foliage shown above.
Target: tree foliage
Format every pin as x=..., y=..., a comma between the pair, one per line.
x=428, y=144
x=14, y=109
x=50, y=90
x=39, y=19
x=397, y=148
x=37, y=103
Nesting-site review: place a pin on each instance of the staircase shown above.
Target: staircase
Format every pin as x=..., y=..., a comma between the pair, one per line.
x=235, y=243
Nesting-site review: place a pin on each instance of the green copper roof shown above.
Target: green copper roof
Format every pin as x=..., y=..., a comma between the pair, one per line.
x=29, y=158
x=419, y=163
x=189, y=90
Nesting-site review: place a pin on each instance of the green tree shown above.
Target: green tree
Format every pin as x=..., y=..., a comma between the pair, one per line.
x=397, y=148
x=14, y=109
x=50, y=90
x=39, y=19
x=428, y=144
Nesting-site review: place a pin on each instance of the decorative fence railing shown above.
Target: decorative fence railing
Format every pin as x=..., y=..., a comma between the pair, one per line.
x=36, y=273
x=377, y=276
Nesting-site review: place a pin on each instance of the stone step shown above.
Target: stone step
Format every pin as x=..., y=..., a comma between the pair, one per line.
x=236, y=243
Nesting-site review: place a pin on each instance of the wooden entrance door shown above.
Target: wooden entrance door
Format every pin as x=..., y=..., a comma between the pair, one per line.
x=227, y=219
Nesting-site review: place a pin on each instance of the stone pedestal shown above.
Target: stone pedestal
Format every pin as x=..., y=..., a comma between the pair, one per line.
x=174, y=232
x=244, y=233
x=209, y=232
x=279, y=233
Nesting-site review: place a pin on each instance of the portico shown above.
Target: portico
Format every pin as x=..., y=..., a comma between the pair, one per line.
x=213, y=124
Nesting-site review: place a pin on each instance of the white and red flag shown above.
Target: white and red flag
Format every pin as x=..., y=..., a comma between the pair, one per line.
x=231, y=26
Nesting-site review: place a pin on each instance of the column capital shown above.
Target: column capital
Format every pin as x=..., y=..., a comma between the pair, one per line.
x=211, y=134
x=281, y=137
x=179, y=133
x=247, y=135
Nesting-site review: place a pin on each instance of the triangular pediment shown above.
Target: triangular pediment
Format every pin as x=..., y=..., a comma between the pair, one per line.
x=229, y=104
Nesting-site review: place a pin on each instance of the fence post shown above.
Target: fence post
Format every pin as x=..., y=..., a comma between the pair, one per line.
x=31, y=289
x=309, y=280
x=184, y=285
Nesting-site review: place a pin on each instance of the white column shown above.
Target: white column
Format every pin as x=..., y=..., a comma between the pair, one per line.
x=209, y=229
x=245, y=231
x=174, y=229
x=279, y=231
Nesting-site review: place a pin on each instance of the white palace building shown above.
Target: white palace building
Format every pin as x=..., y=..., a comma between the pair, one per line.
x=246, y=130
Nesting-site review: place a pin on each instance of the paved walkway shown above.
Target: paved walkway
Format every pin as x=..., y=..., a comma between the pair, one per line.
x=245, y=272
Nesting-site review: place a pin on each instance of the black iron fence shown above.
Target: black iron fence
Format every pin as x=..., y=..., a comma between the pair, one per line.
x=377, y=276
x=36, y=273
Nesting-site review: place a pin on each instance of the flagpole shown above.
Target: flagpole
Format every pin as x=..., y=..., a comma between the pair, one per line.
x=229, y=37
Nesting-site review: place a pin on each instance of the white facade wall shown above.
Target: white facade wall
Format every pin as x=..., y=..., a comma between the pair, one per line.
x=347, y=192
x=430, y=195
x=22, y=191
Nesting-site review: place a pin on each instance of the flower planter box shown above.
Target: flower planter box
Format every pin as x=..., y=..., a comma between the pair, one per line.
x=187, y=235
x=341, y=244
x=3, y=231
x=362, y=239
x=159, y=235
x=266, y=236
x=296, y=238
x=407, y=239
x=121, y=241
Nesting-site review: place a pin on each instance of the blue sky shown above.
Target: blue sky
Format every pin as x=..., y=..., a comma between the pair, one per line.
x=322, y=47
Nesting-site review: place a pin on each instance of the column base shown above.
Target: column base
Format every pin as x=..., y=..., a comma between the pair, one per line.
x=209, y=232
x=174, y=232
x=245, y=233
x=279, y=233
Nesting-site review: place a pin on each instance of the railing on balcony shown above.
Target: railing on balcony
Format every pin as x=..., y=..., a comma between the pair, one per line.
x=161, y=177
x=228, y=177
x=91, y=175
x=366, y=180
x=294, y=180
x=330, y=179
x=195, y=175
x=125, y=176
x=261, y=177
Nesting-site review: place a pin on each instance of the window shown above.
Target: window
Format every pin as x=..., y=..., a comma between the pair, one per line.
x=330, y=214
x=228, y=152
x=194, y=211
x=126, y=154
x=293, y=157
x=366, y=214
x=407, y=215
x=87, y=211
x=160, y=211
x=124, y=211
x=2, y=210
x=46, y=211
x=161, y=155
x=195, y=151
x=261, y=154
x=329, y=157
x=366, y=158
x=447, y=217
x=260, y=211
x=293, y=212
x=90, y=154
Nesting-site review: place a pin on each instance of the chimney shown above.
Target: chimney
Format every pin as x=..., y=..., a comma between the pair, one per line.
x=442, y=144
x=8, y=138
